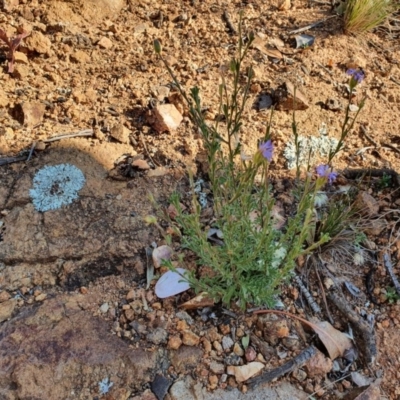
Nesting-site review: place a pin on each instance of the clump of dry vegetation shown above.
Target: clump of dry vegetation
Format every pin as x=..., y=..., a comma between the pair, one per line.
x=364, y=15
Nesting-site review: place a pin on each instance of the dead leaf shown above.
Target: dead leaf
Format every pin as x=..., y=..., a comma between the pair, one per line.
x=261, y=45
x=200, y=301
x=276, y=42
x=335, y=342
x=371, y=392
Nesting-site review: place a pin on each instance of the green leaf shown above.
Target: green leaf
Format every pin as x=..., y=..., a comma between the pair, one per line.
x=245, y=341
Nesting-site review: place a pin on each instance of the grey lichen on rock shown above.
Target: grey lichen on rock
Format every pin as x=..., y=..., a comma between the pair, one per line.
x=56, y=186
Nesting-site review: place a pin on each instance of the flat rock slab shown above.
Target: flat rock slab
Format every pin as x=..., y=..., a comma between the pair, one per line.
x=187, y=388
x=50, y=351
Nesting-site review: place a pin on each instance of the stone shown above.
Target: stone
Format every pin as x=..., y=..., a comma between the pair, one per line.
x=318, y=365
x=160, y=386
x=139, y=328
x=20, y=58
x=174, y=342
x=166, y=117
x=21, y=71
x=245, y=372
x=276, y=391
x=183, y=315
x=7, y=308
x=190, y=339
x=130, y=314
x=30, y=113
x=237, y=349
x=104, y=308
x=120, y=133
x=227, y=343
x=4, y=296
x=157, y=336
x=233, y=359
x=105, y=43
x=4, y=99
x=182, y=389
x=69, y=348
x=38, y=43
x=186, y=358
x=286, y=99
x=159, y=171
x=217, y=346
x=217, y=368
x=213, y=381
x=300, y=375
x=250, y=354
x=130, y=295
x=80, y=56
x=41, y=297
x=160, y=92
x=146, y=395
x=141, y=164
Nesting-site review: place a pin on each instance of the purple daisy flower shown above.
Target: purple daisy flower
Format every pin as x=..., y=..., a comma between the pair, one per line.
x=324, y=171
x=357, y=75
x=267, y=149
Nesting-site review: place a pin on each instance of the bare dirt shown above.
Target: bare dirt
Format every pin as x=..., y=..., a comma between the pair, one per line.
x=90, y=65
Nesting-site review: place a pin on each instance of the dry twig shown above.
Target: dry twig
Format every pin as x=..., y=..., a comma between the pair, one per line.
x=365, y=330
x=296, y=362
x=312, y=303
x=85, y=132
x=389, y=266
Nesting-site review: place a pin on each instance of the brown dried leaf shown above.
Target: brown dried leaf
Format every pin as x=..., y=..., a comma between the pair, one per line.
x=335, y=342
x=200, y=301
x=260, y=45
x=370, y=392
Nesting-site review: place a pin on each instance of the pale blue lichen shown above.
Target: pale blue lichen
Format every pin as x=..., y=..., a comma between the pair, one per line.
x=56, y=186
x=105, y=385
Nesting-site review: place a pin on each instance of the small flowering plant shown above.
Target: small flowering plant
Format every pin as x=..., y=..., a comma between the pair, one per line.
x=254, y=254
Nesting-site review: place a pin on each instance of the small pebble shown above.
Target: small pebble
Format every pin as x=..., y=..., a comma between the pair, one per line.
x=218, y=347
x=237, y=349
x=174, y=342
x=130, y=295
x=41, y=297
x=227, y=343
x=104, y=308
x=217, y=368
x=213, y=380
x=190, y=339
x=157, y=336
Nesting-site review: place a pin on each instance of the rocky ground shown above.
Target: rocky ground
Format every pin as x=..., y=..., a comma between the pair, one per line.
x=77, y=320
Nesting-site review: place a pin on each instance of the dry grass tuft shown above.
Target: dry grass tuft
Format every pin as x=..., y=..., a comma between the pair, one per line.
x=364, y=15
